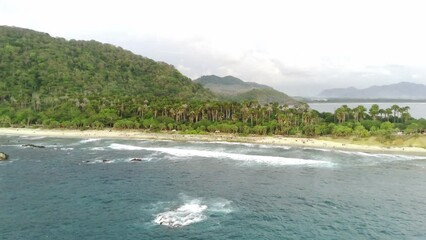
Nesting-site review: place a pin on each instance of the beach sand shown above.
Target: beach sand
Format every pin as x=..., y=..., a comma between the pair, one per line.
x=217, y=137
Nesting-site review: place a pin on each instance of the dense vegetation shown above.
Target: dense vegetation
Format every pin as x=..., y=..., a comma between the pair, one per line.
x=36, y=69
x=232, y=89
x=55, y=83
x=207, y=116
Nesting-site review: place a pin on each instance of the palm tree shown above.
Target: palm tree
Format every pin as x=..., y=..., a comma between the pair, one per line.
x=269, y=109
x=192, y=116
x=395, y=110
x=405, y=115
x=342, y=113
x=388, y=113
x=355, y=113
x=374, y=110
x=359, y=113
x=172, y=112
x=346, y=110
x=382, y=113
x=244, y=113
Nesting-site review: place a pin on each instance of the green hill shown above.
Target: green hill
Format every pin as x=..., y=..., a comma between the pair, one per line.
x=37, y=67
x=230, y=88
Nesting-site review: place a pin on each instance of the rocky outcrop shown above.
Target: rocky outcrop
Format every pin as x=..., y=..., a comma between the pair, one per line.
x=3, y=156
x=32, y=145
x=136, y=160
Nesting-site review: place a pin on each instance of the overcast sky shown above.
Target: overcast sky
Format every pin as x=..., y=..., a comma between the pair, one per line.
x=299, y=47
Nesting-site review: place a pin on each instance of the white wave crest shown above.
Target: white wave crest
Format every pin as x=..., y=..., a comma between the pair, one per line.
x=275, y=146
x=193, y=210
x=97, y=148
x=117, y=146
x=231, y=143
x=317, y=149
x=221, y=206
x=55, y=146
x=66, y=149
x=384, y=155
x=89, y=140
x=32, y=137
x=409, y=157
x=239, y=157
x=188, y=213
x=243, y=144
x=275, y=160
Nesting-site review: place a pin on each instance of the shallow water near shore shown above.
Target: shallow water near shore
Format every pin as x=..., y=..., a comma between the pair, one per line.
x=132, y=189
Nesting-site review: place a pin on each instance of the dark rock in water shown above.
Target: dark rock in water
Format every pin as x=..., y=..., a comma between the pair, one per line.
x=106, y=161
x=32, y=145
x=136, y=160
x=3, y=156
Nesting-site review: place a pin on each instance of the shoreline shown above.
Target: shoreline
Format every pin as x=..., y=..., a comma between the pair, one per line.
x=214, y=137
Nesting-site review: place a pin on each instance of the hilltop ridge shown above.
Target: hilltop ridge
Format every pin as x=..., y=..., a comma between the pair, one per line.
x=230, y=88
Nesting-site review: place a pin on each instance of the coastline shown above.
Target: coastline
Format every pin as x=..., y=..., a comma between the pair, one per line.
x=216, y=137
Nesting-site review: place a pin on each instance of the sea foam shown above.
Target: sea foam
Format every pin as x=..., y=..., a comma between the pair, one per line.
x=117, y=146
x=193, y=210
x=383, y=155
x=188, y=213
x=66, y=148
x=244, y=144
x=239, y=157
x=90, y=140
x=32, y=137
x=97, y=148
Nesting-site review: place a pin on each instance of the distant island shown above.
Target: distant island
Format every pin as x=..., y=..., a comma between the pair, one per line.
x=402, y=90
x=68, y=84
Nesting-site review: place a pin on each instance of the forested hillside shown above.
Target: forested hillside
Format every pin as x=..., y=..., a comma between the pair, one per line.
x=38, y=69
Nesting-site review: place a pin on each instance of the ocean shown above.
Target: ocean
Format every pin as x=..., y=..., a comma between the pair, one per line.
x=135, y=189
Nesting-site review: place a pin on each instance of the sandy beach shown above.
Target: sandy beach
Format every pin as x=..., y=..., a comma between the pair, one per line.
x=217, y=137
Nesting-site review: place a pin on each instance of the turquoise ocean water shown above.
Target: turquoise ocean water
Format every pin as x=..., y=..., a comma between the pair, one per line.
x=90, y=189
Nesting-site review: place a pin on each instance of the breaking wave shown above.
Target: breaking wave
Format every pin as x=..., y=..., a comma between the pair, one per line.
x=117, y=146
x=244, y=144
x=193, y=210
x=275, y=160
x=32, y=137
x=383, y=155
x=97, y=148
x=90, y=140
x=184, y=215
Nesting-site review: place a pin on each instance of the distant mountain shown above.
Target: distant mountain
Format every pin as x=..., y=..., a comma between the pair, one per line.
x=233, y=89
x=402, y=90
x=228, y=85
